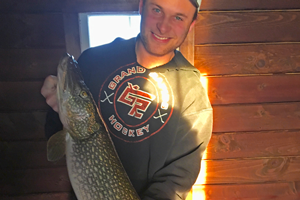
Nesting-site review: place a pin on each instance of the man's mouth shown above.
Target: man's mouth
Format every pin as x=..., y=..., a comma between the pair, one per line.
x=160, y=38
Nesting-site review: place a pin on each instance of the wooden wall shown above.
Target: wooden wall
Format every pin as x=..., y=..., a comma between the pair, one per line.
x=250, y=51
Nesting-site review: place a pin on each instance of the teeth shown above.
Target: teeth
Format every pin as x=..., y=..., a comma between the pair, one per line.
x=161, y=38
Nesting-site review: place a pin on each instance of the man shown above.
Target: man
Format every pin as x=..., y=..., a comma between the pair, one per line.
x=151, y=100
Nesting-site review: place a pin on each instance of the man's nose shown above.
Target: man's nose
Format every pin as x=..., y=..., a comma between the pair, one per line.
x=163, y=25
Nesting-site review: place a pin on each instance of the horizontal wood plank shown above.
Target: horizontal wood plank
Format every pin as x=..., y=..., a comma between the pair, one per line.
x=26, y=155
x=253, y=89
x=253, y=144
x=248, y=58
x=68, y=6
x=21, y=96
x=249, y=4
x=73, y=6
x=29, y=64
x=42, y=196
x=253, y=170
x=247, y=27
x=32, y=6
x=34, y=181
x=22, y=125
x=265, y=191
x=31, y=31
x=259, y=117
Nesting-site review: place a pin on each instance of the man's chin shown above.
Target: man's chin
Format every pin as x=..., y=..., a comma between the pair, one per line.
x=161, y=52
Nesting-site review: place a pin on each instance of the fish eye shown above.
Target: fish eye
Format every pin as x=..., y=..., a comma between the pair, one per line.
x=96, y=127
x=83, y=94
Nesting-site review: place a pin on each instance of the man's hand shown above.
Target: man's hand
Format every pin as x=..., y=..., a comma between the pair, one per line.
x=49, y=92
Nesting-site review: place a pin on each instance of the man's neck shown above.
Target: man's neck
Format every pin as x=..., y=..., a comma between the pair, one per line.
x=148, y=60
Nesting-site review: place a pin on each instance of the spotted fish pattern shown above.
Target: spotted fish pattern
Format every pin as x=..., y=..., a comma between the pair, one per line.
x=94, y=168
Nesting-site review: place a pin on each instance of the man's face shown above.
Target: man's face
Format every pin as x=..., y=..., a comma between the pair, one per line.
x=165, y=24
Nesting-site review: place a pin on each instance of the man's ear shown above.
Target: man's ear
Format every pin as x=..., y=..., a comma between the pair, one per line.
x=192, y=25
x=140, y=6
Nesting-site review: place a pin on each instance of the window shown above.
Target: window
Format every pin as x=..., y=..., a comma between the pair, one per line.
x=98, y=29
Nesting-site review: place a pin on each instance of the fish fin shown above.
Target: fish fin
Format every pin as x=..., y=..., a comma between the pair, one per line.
x=56, y=146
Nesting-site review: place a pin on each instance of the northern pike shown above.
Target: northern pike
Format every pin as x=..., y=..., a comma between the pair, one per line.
x=94, y=168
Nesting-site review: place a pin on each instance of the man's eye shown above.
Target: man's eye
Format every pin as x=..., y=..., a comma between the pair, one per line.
x=178, y=18
x=156, y=10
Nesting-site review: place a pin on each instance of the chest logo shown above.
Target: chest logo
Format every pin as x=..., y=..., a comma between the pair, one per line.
x=135, y=103
x=137, y=99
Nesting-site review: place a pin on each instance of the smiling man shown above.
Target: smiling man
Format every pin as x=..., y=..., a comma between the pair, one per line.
x=164, y=26
x=151, y=100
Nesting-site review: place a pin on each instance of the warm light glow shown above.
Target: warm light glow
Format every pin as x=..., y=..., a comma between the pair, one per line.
x=204, y=81
x=198, y=190
x=202, y=175
x=164, y=90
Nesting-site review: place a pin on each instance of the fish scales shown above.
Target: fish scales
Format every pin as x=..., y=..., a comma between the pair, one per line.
x=94, y=168
x=91, y=162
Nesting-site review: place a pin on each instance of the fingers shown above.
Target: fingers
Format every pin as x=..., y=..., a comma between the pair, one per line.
x=49, y=86
x=48, y=90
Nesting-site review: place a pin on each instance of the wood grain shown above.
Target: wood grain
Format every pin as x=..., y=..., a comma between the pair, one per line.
x=253, y=144
x=248, y=58
x=28, y=64
x=68, y=6
x=249, y=4
x=277, y=169
x=73, y=6
x=247, y=27
x=22, y=125
x=23, y=96
x=256, y=117
x=43, y=196
x=187, y=48
x=9, y=6
x=253, y=89
x=31, y=31
x=34, y=181
x=26, y=155
x=265, y=191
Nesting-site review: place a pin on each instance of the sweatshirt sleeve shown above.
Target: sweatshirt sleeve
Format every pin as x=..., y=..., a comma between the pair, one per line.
x=52, y=124
x=194, y=129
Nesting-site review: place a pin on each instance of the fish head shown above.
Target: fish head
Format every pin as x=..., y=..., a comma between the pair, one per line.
x=77, y=109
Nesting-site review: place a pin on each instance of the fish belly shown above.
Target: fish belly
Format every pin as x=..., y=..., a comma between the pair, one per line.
x=95, y=170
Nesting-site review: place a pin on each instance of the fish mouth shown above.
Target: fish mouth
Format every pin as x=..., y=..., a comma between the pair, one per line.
x=68, y=75
x=68, y=85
